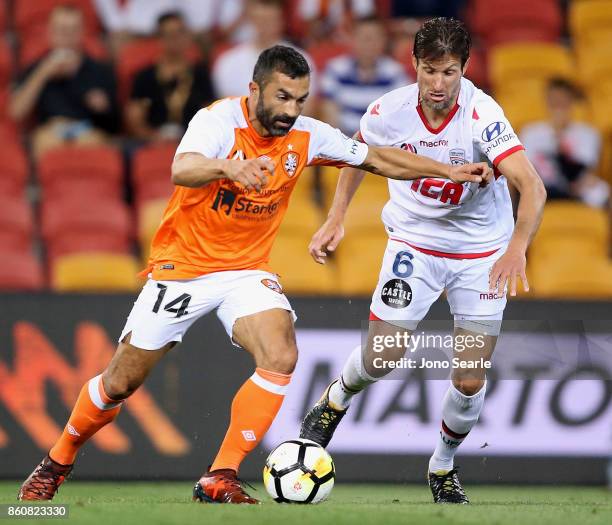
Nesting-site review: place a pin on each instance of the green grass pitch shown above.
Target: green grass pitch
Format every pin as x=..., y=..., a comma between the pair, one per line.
x=163, y=503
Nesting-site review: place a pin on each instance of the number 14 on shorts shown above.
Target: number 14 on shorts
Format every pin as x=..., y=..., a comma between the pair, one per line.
x=177, y=306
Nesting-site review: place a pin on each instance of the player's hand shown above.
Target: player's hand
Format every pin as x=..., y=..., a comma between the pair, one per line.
x=326, y=239
x=479, y=172
x=250, y=173
x=506, y=270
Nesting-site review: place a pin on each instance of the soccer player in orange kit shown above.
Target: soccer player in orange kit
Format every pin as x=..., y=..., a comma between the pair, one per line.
x=234, y=171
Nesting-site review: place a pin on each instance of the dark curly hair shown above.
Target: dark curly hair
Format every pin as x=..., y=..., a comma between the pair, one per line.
x=442, y=36
x=282, y=59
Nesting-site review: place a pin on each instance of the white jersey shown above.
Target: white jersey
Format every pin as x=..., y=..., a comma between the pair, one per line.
x=439, y=215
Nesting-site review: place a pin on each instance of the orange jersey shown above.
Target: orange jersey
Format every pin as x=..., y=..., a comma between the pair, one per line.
x=221, y=226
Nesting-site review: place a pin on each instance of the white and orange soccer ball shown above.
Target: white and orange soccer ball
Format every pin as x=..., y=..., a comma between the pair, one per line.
x=299, y=471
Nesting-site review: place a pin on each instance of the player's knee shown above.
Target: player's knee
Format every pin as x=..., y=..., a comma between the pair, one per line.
x=119, y=386
x=468, y=386
x=281, y=359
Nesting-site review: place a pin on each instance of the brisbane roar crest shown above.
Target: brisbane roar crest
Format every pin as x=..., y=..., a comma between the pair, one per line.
x=273, y=285
x=290, y=162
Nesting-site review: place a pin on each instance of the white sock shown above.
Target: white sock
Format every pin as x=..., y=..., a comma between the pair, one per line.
x=352, y=381
x=459, y=414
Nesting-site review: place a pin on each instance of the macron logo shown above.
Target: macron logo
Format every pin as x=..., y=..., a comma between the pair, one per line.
x=375, y=110
x=72, y=431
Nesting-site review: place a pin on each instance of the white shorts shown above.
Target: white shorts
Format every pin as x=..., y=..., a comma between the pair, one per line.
x=410, y=281
x=165, y=310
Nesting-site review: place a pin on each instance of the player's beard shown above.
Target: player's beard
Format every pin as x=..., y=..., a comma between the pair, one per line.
x=443, y=104
x=268, y=120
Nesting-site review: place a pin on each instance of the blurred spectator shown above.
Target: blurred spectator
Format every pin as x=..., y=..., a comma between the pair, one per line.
x=426, y=8
x=351, y=82
x=125, y=19
x=167, y=94
x=565, y=152
x=72, y=95
x=213, y=20
x=332, y=17
x=233, y=70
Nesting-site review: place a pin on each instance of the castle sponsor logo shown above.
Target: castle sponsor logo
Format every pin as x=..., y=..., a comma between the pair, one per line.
x=396, y=293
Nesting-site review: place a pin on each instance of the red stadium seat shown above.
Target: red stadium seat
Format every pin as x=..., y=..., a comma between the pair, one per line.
x=33, y=49
x=16, y=225
x=504, y=21
x=9, y=130
x=296, y=28
x=13, y=171
x=5, y=94
x=6, y=63
x=86, y=225
x=137, y=55
x=81, y=171
x=20, y=271
x=31, y=16
x=9, y=133
x=217, y=51
x=3, y=17
x=151, y=172
x=322, y=52
x=401, y=51
x=477, y=70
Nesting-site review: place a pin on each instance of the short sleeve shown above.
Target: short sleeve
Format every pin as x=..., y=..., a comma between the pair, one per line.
x=492, y=132
x=587, y=146
x=372, y=125
x=207, y=134
x=331, y=147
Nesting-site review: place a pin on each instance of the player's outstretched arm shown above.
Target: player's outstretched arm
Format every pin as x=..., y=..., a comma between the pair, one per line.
x=511, y=265
x=395, y=163
x=194, y=170
x=329, y=235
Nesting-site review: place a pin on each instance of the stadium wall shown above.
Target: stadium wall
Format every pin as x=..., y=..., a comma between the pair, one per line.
x=536, y=428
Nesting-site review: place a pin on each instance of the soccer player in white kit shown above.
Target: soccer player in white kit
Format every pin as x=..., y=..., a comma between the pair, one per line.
x=443, y=236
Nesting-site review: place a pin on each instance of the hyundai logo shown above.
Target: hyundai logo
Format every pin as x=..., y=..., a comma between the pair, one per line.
x=492, y=131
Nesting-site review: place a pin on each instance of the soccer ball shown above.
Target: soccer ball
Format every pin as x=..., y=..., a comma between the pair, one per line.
x=299, y=471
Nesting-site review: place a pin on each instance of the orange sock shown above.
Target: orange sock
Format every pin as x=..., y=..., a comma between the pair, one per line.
x=92, y=411
x=254, y=408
